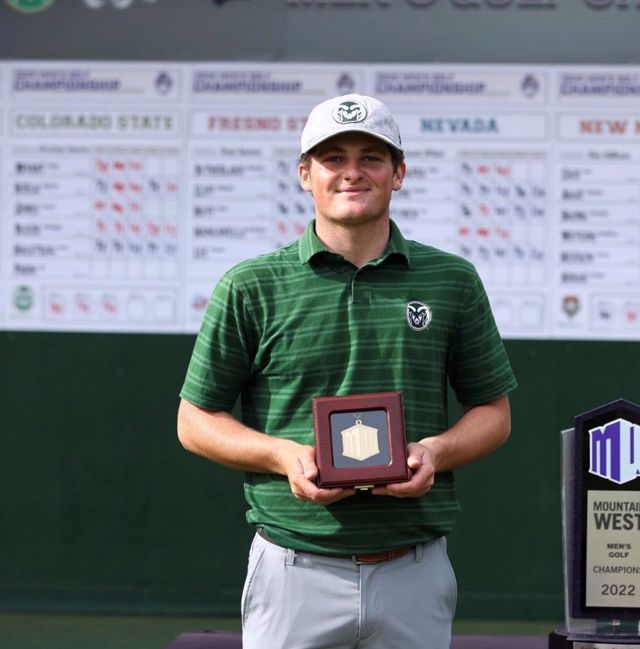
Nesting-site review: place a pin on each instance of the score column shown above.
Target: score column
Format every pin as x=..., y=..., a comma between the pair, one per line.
x=598, y=236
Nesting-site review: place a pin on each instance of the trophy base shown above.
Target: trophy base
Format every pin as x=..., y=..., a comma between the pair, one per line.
x=562, y=639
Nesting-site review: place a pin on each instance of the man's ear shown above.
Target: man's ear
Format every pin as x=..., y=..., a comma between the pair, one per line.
x=305, y=177
x=398, y=176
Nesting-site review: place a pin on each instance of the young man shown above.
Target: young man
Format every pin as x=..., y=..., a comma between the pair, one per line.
x=350, y=308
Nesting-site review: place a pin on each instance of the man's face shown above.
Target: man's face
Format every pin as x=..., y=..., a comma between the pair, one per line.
x=351, y=178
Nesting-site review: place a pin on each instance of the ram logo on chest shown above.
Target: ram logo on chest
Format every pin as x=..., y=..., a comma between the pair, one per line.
x=418, y=315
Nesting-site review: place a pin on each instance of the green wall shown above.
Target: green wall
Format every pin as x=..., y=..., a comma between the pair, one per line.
x=101, y=509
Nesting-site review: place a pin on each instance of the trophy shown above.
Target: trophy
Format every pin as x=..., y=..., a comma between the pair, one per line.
x=601, y=529
x=360, y=440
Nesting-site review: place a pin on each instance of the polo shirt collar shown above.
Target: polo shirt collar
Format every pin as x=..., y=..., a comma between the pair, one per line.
x=310, y=245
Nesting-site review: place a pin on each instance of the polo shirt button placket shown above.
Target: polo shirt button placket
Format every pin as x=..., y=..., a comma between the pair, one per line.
x=355, y=290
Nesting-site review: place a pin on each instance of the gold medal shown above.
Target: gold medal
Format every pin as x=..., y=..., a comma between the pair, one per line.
x=360, y=442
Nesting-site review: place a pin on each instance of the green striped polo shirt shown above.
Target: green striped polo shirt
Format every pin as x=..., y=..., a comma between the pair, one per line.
x=303, y=322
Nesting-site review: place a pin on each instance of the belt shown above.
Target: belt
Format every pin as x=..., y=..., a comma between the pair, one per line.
x=358, y=559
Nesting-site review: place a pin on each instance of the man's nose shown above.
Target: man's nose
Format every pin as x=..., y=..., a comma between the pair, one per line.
x=352, y=169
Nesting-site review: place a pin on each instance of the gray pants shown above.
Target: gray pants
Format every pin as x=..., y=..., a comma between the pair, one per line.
x=298, y=600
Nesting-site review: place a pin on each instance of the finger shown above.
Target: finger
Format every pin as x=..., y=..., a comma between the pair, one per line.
x=329, y=496
x=417, y=454
x=421, y=482
x=308, y=466
x=301, y=487
x=394, y=489
x=305, y=488
x=324, y=496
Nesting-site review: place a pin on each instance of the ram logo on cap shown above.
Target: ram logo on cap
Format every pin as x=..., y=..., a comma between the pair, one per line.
x=349, y=112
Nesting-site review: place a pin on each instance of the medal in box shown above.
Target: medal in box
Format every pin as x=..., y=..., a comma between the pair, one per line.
x=360, y=440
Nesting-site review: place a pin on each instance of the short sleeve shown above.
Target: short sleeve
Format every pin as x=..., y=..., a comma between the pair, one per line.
x=222, y=357
x=479, y=369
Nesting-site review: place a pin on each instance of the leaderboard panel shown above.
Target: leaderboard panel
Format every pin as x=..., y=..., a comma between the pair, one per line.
x=91, y=211
x=128, y=189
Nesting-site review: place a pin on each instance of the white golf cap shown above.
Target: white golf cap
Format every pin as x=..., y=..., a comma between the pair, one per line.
x=346, y=114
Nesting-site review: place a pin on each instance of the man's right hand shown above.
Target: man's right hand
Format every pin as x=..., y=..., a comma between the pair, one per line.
x=302, y=471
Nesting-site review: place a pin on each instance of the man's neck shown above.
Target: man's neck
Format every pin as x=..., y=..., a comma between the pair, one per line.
x=357, y=244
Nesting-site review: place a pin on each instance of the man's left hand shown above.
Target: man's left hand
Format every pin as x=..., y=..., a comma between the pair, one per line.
x=422, y=474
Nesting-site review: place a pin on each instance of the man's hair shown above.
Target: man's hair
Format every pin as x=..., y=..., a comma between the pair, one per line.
x=397, y=158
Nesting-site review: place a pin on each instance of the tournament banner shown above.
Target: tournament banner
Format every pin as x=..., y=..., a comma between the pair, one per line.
x=127, y=189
